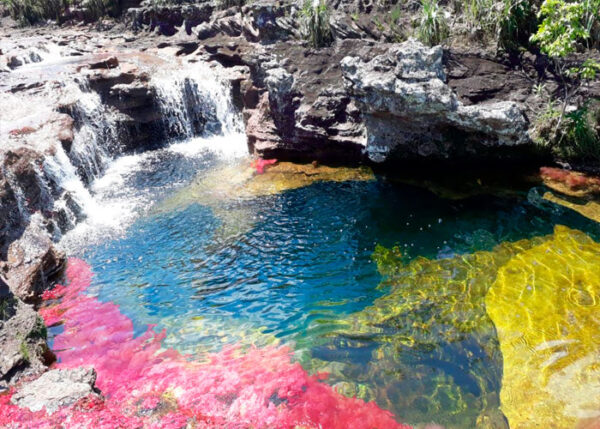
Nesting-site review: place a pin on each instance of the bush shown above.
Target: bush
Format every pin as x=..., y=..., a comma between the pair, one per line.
x=96, y=9
x=578, y=139
x=315, y=24
x=28, y=12
x=581, y=140
x=517, y=21
x=433, y=28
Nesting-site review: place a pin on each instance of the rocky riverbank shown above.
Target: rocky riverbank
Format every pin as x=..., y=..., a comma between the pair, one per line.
x=77, y=96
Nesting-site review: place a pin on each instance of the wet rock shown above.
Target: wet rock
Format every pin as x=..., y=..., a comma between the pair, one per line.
x=410, y=112
x=56, y=389
x=33, y=262
x=65, y=132
x=105, y=63
x=22, y=340
x=10, y=221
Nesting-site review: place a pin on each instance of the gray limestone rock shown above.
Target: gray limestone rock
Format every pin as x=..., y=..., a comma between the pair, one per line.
x=411, y=112
x=56, y=389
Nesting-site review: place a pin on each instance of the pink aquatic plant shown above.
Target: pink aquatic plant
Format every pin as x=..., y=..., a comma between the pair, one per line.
x=260, y=164
x=144, y=385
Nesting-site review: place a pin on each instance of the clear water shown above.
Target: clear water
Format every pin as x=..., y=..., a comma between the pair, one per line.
x=293, y=267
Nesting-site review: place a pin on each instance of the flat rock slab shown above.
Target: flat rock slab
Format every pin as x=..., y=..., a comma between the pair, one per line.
x=56, y=389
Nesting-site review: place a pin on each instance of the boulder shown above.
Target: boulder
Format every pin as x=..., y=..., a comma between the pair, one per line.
x=105, y=63
x=56, y=389
x=33, y=262
x=410, y=112
x=22, y=339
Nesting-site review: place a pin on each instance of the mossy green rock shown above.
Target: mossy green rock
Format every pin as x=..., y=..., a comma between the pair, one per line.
x=545, y=304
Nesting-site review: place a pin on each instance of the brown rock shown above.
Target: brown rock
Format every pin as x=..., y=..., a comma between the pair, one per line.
x=33, y=262
x=106, y=63
x=65, y=132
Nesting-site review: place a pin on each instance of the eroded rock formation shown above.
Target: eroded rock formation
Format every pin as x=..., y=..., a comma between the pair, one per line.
x=22, y=340
x=33, y=263
x=410, y=111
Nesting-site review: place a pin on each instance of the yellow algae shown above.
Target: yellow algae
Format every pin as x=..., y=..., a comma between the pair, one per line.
x=585, y=207
x=545, y=305
x=436, y=357
x=239, y=181
x=222, y=188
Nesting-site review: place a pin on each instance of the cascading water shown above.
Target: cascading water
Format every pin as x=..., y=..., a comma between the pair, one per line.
x=193, y=100
x=201, y=125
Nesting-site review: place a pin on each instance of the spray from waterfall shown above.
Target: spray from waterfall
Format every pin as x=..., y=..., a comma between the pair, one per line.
x=201, y=125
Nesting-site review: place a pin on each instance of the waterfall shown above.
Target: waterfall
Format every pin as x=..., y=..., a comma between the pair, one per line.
x=193, y=100
x=200, y=123
x=89, y=184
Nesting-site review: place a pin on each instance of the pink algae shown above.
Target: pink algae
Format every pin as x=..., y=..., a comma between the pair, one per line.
x=260, y=164
x=145, y=386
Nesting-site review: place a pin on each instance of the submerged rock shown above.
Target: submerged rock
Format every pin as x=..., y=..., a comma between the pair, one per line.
x=33, y=262
x=434, y=355
x=545, y=304
x=56, y=389
x=233, y=182
x=585, y=207
x=410, y=112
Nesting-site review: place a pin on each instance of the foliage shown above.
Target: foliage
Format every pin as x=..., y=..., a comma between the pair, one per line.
x=517, y=20
x=315, y=24
x=395, y=15
x=565, y=25
x=28, y=12
x=433, y=28
x=581, y=139
x=561, y=28
x=96, y=9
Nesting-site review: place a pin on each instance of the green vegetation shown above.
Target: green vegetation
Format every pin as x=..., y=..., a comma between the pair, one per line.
x=565, y=26
x=28, y=12
x=24, y=350
x=433, y=28
x=315, y=24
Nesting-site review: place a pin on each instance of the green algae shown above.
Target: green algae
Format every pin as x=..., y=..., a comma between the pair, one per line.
x=434, y=354
x=544, y=304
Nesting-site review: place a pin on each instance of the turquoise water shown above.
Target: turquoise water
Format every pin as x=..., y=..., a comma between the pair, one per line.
x=291, y=267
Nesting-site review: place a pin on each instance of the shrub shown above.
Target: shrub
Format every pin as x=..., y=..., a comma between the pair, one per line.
x=581, y=140
x=517, y=21
x=315, y=24
x=99, y=8
x=433, y=28
x=28, y=12
x=564, y=25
